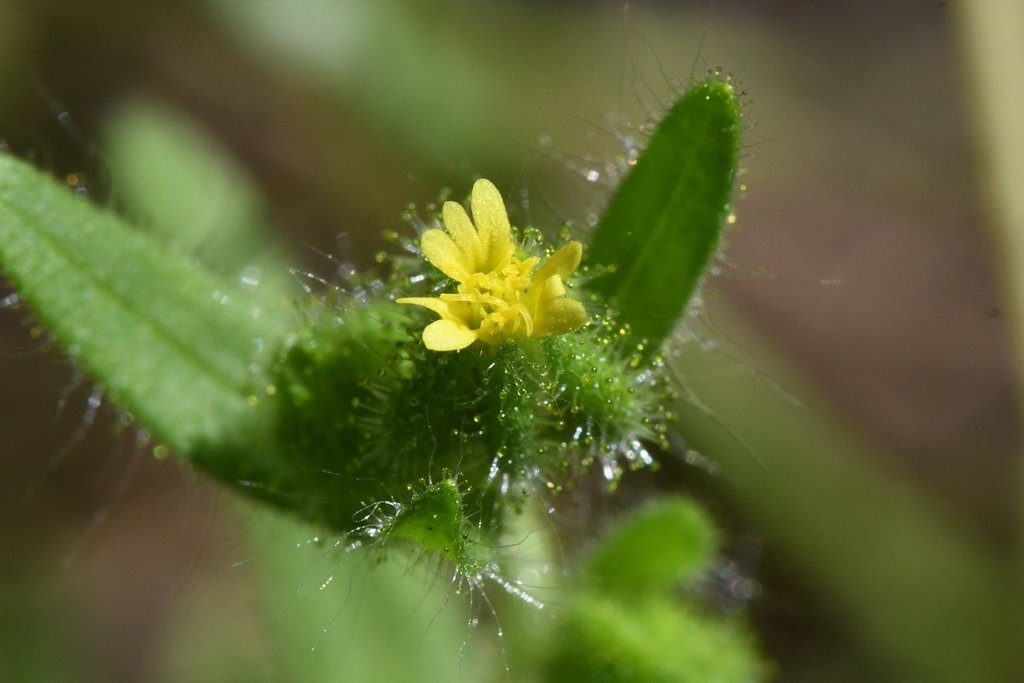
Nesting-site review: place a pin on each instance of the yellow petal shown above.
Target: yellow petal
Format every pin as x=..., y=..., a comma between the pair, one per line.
x=547, y=282
x=447, y=335
x=442, y=308
x=526, y=267
x=551, y=288
x=440, y=250
x=465, y=235
x=558, y=317
x=562, y=263
x=492, y=224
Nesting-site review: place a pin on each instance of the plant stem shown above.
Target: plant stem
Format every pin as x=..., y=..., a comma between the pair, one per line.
x=990, y=37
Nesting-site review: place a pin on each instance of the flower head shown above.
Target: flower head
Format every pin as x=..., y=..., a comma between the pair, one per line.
x=499, y=296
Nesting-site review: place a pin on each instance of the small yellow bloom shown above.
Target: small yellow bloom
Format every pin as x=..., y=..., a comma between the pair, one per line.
x=499, y=296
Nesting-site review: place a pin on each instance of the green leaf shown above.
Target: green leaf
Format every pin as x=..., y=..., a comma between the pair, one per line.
x=334, y=614
x=854, y=525
x=664, y=222
x=184, y=185
x=655, y=641
x=179, y=182
x=434, y=519
x=652, y=549
x=170, y=343
x=623, y=621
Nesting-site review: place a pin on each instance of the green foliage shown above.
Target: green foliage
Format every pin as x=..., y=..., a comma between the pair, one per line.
x=653, y=641
x=196, y=199
x=342, y=410
x=170, y=342
x=337, y=615
x=682, y=537
x=345, y=97
x=624, y=624
x=664, y=221
x=434, y=520
x=362, y=407
x=330, y=407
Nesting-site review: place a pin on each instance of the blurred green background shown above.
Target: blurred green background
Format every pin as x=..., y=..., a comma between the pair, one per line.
x=854, y=326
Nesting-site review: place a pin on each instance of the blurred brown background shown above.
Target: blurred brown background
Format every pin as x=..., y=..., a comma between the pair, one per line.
x=860, y=249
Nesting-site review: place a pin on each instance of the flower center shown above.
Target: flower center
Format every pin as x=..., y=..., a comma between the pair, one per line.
x=494, y=301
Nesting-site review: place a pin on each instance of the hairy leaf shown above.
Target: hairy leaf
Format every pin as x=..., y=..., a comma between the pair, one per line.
x=664, y=222
x=170, y=342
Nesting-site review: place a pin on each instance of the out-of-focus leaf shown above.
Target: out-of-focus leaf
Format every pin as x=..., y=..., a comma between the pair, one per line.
x=653, y=549
x=182, y=184
x=340, y=615
x=916, y=588
x=388, y=59
x=664, y=221
x=655, y=641
x=623, y=621
x=39, y=640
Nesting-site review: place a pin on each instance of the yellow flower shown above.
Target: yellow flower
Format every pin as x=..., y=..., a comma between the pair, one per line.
x=499, y=296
